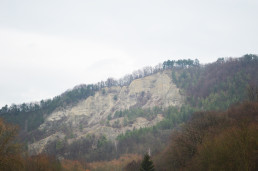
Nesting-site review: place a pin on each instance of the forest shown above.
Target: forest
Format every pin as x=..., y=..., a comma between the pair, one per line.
x=208, y=140
x=216, y=128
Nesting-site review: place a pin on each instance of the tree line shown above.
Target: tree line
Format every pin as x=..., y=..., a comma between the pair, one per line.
x=30, y=115
x=83, y=91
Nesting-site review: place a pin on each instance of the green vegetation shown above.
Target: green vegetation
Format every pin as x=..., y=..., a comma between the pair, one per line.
x=214, y=141
x=203, y=136
x=211, y=87
x=147, y=164
x=115, y=97
x=216, y=95
x=133, y=113
x=217, y=85
x=30, y=116
x=219, y=91
x=172, y=117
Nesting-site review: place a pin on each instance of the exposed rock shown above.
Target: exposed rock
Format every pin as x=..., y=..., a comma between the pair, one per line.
x=90, y=115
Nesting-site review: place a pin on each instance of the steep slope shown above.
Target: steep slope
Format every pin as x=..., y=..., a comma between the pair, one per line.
x=95, y=115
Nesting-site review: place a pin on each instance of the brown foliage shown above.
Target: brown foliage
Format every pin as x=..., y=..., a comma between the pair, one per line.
x=233, y=149
x=116, y=164
x=184, y=142
x=215, y=141
x=42, y=162
x=10, y=151
x=247, y=111
x=253, y=93
x=11, y=158
x=215, y=73
x=132, y=166
x=75, y=165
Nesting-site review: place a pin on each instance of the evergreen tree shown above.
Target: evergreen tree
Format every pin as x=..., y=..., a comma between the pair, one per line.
x=147, y=164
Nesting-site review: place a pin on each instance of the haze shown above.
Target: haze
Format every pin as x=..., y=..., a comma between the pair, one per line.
x=47, y=47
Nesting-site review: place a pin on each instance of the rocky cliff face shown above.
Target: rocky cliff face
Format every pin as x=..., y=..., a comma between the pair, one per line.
x=90, y=116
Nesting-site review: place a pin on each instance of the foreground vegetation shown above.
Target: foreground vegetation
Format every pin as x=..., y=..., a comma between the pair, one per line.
x=214, y=141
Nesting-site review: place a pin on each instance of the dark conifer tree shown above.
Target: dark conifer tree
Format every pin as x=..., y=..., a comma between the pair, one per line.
x=147, y=164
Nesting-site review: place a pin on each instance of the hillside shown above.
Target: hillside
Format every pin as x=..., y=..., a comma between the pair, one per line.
x=90, y=116
x=226, y=140
x=106, y=120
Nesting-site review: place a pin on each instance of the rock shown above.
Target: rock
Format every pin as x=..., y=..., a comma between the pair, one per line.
x=90, y=115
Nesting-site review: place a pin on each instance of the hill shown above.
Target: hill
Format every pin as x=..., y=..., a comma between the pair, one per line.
x=113, y=117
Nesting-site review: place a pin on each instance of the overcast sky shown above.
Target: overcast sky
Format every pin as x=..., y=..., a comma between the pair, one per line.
x=47, y=47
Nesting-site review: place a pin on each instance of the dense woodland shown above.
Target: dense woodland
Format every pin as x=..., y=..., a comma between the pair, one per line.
x=216, y=128
x=225, y=140
x=217, y=85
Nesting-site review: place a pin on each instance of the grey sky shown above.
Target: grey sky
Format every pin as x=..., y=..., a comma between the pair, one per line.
x=48, y=46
